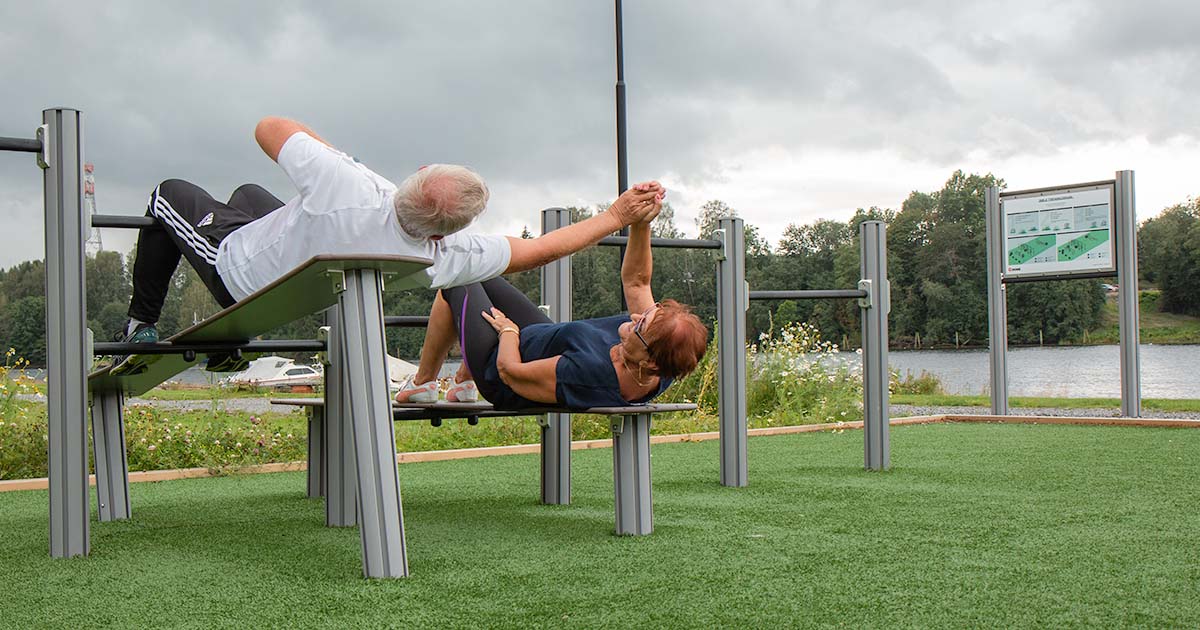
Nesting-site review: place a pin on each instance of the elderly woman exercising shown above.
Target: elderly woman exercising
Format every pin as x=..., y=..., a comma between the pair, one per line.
x=517, y=358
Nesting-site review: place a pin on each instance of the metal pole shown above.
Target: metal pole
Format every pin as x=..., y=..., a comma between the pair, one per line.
x=25, y=145
x=732, y=303
x=1127, y=276
x=556, y=427
x=66, y=333
x=622, y=152
x=997, y=304
x=875, y=308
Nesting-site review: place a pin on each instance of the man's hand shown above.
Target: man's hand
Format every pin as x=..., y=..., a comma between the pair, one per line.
x=642, y=202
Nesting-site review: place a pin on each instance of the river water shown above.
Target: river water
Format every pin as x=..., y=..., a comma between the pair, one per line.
x=1069, y=372
x=1072, y=372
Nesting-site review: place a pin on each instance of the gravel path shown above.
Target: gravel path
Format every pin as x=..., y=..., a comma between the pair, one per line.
x=1102, y=412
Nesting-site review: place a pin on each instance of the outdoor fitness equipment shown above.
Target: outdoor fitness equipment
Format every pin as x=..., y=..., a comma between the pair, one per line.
x=356, y=380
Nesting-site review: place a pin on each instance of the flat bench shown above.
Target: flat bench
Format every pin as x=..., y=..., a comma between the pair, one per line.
x=631, y=453
x=356, y=350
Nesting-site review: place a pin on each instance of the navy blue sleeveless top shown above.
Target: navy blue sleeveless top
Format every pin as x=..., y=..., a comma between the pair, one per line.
x=585, y=376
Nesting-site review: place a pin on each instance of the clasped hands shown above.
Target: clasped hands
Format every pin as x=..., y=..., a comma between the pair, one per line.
x=640, y=204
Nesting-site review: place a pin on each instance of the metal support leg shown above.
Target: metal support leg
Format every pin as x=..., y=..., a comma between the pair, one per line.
x=381, y=519
x=112, y=466
x=341, y=504
x=631, y=474
x=556, y=459
x=733, y=300
x=556, y=427
x=1127, y=302
x=997, y=303
x=875, y=308
x=316, y=452
x=66, y=333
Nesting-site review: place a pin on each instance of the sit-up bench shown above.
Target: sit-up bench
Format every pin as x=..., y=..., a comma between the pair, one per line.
x=354, y=284
x=327, y=464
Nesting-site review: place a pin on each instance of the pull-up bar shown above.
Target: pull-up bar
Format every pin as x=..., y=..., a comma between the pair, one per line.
x=162, y=347
x=24, y=145
x=678, y=243
x=808, y=294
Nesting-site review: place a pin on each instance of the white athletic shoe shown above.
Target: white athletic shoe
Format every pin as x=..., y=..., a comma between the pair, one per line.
x=413, y=393
x=463, y=392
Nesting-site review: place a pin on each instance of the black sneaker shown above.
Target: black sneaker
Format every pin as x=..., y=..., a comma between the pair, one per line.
x=143, y=333
x=226, y=362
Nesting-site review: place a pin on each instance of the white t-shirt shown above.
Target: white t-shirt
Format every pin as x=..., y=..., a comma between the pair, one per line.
x=345, y=208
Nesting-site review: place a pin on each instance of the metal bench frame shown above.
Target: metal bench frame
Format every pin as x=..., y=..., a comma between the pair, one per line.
x=328, y=455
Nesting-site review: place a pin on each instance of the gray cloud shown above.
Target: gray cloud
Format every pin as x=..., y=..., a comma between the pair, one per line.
x=523, y=91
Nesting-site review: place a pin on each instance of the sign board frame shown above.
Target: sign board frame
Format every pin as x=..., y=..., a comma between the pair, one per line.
x=1024, y=202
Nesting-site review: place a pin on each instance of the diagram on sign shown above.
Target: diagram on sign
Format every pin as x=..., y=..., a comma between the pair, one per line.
x=1063, y=231
x=1026, y=251
x=1079, y=246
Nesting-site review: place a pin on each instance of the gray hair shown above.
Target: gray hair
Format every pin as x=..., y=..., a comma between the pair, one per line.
x=440, y=199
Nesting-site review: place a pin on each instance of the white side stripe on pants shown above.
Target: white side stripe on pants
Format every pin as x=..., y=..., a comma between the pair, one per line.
x=167, y=214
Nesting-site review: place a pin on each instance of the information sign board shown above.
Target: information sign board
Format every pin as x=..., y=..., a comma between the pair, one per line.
x=1059, y=232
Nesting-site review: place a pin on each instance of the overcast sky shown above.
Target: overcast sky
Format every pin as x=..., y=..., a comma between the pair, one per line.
x=786, y=111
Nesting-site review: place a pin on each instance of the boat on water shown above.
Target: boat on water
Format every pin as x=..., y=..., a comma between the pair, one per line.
x=281, y=372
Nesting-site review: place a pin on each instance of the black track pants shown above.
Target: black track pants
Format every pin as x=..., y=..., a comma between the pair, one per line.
x=193, y=225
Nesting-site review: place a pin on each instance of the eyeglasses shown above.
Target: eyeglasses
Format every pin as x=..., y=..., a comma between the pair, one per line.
x=637, y=327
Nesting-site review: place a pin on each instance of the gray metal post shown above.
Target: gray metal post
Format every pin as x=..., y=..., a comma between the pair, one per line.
x=341, y=504
x=875, y=309
x=112, y=464
x=1127, y=280
x=66, y=332
x=997, y=303
x=380, y=515
x=556, y=427
x=316, y=452
x=631, y=474
x=732, y=302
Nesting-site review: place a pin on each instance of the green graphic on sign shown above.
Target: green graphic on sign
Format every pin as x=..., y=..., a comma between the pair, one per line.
x=1022, y=253
x=1080, y=246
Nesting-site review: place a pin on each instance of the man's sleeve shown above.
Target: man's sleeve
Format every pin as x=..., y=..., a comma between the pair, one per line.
x=464, y=259
x=322, y=174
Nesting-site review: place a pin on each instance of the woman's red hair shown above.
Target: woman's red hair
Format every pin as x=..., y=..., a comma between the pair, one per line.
x=676, y=338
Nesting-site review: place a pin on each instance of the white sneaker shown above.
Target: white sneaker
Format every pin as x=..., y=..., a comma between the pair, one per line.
x=413, y=393
x=463, y=392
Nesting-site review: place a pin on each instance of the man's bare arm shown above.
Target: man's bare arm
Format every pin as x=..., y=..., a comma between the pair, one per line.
x=272, y=132
x=636, y=204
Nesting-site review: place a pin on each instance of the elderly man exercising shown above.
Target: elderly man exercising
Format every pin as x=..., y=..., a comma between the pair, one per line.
x=343, y=207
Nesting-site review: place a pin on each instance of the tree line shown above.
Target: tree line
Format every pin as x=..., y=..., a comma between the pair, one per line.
x=936, y=265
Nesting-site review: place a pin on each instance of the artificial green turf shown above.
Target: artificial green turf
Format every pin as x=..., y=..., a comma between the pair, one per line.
x=976, y=525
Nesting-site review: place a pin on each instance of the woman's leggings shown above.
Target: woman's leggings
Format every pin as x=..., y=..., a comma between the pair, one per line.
x=475, y=335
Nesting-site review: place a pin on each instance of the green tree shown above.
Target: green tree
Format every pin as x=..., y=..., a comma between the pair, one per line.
x=1169, y=256
x=23, y=327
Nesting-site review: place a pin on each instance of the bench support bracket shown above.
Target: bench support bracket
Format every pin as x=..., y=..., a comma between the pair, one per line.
x=631, y=474
x=341, y=505
x=112, y=467
x=556, y=458
x=380, y=516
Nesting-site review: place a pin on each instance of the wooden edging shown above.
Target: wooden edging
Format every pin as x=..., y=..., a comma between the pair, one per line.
x=491, y=451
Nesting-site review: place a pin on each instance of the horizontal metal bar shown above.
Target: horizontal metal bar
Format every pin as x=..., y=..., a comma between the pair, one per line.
x=163, y=347
x=124, y=221
x=811, y=294
x=25, y=145
x=1073, y=276
x=681, y=243
x=406, y=320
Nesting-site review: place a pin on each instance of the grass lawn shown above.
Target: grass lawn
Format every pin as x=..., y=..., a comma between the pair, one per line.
x=976, y=525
